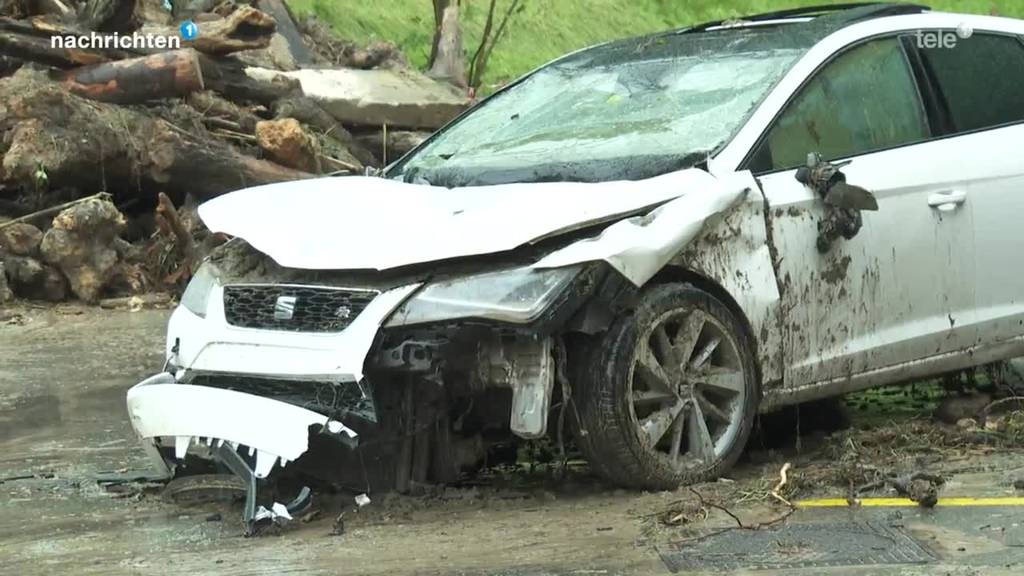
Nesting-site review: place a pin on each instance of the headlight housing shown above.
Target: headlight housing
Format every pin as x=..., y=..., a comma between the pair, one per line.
x=197, y=294
x=517, y=296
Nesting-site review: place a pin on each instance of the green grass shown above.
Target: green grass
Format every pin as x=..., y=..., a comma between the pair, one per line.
x=545, y=29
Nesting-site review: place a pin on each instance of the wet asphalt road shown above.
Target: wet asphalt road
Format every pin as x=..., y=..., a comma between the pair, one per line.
x=63, y=375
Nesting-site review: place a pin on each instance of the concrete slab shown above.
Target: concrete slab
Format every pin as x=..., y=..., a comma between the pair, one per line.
x=398, y=98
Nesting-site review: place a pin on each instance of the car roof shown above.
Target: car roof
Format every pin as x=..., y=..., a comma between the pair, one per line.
x=832, y=16
x=796, y=29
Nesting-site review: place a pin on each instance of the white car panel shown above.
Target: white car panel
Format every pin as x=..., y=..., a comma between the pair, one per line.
x=902, y=289
x=995, y=198
x=374, y=223
x=211, y=344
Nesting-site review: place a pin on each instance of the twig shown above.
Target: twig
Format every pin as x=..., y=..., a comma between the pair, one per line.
x=224, y=132
x=739, y=523
x=782, y=482
x=166, y=211
x=54, y=209
x=988, y=409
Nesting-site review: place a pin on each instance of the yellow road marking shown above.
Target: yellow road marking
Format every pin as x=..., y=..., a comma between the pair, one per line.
x=879, y=502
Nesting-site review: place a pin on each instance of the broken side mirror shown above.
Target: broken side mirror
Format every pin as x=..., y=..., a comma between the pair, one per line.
x=843, y=202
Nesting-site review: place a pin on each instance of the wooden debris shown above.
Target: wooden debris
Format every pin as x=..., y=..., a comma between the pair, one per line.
x=168, y=220
x=50, y=210
x=279, y=11
x=228, y=78
x=30, y=41
x=245, y=29
x=98, y=145
x=216, y=109
x=138, y=302
x=136, y=80
x=81, y=244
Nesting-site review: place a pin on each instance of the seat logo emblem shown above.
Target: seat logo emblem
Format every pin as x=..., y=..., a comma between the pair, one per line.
x=284, y=308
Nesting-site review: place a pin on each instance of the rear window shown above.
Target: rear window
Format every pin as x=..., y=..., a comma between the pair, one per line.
x=981, y=79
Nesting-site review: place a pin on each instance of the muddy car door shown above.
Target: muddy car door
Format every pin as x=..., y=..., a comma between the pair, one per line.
x=979, y=77
x=901, y=288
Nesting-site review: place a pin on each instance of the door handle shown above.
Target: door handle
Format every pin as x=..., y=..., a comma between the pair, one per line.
x=947, y=200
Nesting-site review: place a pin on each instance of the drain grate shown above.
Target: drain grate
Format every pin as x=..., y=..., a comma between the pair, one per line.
x=798, y=546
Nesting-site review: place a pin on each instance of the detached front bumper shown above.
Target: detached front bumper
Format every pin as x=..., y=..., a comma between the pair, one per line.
x=248, y=434
x=164, y=412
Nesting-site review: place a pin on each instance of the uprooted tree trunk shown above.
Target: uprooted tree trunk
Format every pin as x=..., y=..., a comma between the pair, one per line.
x=92, y=145
x=81, y=245
x=135, y=80
x=447, y=59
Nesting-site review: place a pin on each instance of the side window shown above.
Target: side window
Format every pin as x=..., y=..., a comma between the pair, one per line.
x=866, y=99
x=981, y=79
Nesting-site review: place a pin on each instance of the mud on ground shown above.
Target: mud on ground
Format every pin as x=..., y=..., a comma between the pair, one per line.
x=64, y=372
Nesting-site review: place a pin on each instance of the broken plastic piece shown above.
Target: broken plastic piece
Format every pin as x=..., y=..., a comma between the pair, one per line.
x=335, y=427
x=181, y=444
x=264, y=463
x=362, y=500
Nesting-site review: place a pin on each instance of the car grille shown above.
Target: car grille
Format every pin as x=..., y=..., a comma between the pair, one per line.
x=294, y=308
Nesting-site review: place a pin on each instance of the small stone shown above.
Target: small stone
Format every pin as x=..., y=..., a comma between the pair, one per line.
x=924, y=492
x=22, y=239
x=967, y=424
x=286, y=143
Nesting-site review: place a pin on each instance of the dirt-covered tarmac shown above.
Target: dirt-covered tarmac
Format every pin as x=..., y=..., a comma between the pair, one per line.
x=64, y=372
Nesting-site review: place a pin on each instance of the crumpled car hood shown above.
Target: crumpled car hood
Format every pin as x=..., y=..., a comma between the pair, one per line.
x=375, y=223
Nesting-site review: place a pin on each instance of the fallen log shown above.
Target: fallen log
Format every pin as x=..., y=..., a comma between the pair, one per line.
x=86, y=144
x=244, y=29
x=31, y=40
x=136, y=80
x=228, y=77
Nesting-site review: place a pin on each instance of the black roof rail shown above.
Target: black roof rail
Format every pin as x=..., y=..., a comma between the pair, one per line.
x=861, y=11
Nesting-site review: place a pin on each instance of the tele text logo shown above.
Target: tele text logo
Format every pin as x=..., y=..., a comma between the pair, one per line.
x=943, y=38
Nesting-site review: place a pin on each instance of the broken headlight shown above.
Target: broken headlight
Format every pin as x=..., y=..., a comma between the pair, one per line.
x=518, y=296
x=197, y=294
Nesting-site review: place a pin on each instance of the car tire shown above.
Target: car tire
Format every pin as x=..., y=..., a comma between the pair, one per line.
x=636, y=412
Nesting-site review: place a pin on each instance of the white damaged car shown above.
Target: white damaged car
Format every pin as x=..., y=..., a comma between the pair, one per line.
x=644, y=243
